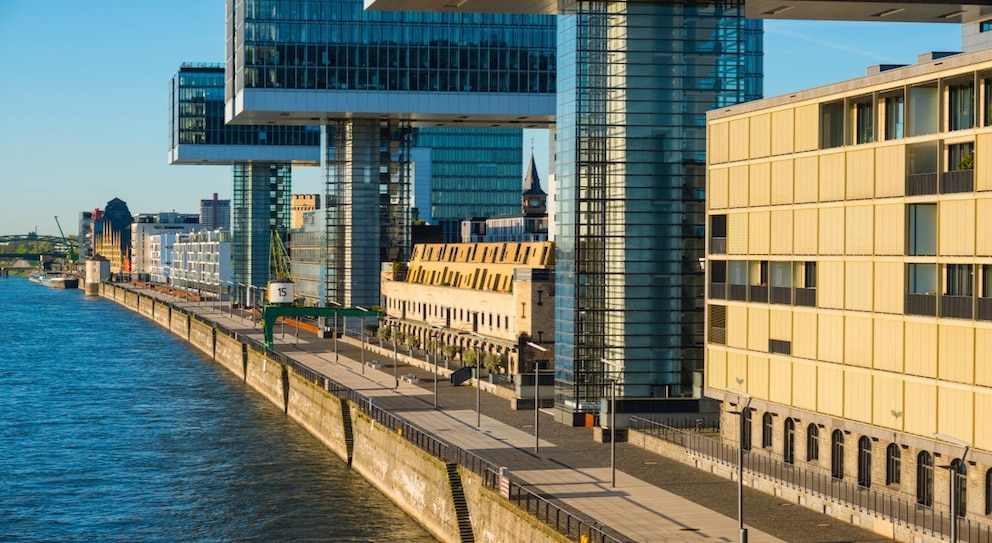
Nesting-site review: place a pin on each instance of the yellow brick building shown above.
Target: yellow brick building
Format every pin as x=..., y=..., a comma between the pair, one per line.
x=491, y=296
x=849, y=270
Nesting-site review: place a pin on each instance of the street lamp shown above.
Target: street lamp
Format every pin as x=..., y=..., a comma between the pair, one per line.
x=954, y=470
x=613, y=426
x=335, y=330
x=392, y=333
x=478, y=381
x=434, y=335
x=537, y=396
x=361, y=331
x=740, y=461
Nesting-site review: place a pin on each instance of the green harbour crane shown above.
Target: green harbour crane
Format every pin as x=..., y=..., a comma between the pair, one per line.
x=70, y=252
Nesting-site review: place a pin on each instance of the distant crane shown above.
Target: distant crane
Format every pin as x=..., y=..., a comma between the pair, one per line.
x=70, y=251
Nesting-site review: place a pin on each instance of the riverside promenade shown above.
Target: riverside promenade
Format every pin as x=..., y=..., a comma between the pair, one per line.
x=655, y=499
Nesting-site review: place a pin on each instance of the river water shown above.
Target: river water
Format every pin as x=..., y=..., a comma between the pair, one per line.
x=111, y=429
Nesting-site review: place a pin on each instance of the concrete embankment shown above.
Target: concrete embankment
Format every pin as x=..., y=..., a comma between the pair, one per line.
x=452, y=502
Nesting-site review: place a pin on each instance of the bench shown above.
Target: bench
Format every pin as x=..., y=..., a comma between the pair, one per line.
x=410, y=378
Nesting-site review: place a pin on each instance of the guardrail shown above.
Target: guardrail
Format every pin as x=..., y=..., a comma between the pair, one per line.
x=568, y=522
x=925, y=518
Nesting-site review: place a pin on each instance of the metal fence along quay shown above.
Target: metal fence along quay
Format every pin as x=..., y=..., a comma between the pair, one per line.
x=546, y=509
x=897, y=509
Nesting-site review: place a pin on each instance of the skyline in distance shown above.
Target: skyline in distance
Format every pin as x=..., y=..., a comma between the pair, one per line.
x=85, y=109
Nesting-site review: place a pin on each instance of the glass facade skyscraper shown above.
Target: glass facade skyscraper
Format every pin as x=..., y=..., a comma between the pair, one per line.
x=469, y=172
x=635, y=81
x=367, y=78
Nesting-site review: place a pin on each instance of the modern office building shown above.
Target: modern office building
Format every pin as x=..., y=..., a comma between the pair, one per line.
x=201, y=263
x=367, y=78
x=530, y=223
x=849, y=268
x=215, y=214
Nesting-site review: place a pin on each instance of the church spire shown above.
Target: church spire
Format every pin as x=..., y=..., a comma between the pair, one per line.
x=533, y=180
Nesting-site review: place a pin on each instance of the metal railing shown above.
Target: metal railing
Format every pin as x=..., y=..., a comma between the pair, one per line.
x=895, y=508
x=566, y=521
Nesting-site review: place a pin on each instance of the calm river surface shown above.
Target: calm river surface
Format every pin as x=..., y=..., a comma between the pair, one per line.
x=113, y=430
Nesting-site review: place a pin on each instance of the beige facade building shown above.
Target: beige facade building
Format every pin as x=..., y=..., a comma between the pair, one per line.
x=302, y=203
x=849, y=270
x=495, y=297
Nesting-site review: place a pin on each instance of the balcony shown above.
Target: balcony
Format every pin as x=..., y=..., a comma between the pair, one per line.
x=918, y=184
x=782, y=295
x=759, y=293
x=738, y=292
x=718, y=291
x=955, y=307
x=806, y=297
x=718, y=246
x=985, y=309
x=921, y=304
x=957, y=181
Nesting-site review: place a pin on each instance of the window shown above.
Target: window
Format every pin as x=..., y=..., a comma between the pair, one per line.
x=960, y=471
x=746, y=430
x=718, y=234
x=832, y=125
x=960, y=106
x=922, y=224
x=718, y=279
x=789, y=442
x=781, y=276
x=924, y=479
x=961, y=157
x=958, y=280
x=837, y=454
x=766, y=430
x=895, y=117
x=805, y=275
x=893, y=464
x=864, y=462
x=864, y=122
x=779, y=346
x=988, y=492
x=812, y=443
x=985, y=26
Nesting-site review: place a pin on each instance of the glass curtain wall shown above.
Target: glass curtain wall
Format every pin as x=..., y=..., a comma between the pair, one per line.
x=474, y=173
x=635, y=82
x=262, y=203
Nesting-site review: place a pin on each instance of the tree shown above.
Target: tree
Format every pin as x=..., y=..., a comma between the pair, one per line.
x=413, y=341
x=449, y=351
x=384, y=332
x=470, y=357
x=493, y=362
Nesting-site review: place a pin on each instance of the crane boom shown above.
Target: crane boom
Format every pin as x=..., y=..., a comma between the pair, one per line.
x=70, y=253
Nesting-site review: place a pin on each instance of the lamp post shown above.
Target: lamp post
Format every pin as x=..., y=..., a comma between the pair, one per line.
x=954, y=470
x=537, y=396
x=435, y=334
x=740, y=461
x=478, y=380
x=392, y=333
x=335, y=330
x=613, y=425
x=361, y=331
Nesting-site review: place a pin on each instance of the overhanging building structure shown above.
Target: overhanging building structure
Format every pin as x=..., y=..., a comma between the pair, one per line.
x=635, y=80
x=366, y=79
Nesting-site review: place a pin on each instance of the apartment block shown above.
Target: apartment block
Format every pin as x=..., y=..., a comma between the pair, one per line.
x=849, y=279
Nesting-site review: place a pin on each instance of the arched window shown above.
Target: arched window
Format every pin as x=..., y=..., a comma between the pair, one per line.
x=864, y=461
x=812, y=443
x=746, y=430
x=837, y=454
x=960, y=470
x=789, y=443
x=893, y=464
x=988, y=492
x=766, y=430
x=924, y=479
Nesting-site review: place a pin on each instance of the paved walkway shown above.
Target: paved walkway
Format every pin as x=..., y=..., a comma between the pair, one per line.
x=655, y=499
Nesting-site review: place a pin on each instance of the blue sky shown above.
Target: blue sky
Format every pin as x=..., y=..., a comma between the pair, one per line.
x=85, y=92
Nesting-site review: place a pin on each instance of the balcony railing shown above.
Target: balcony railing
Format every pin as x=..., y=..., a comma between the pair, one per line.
x=782, y=295
x=921, y=183
x=985, y=309
x=718, y=246
x=759, y=293
x=806, y=297
x=738, y=292
x=956, y=307
x=957, y=181
x=718, y=291
x=921, y=304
